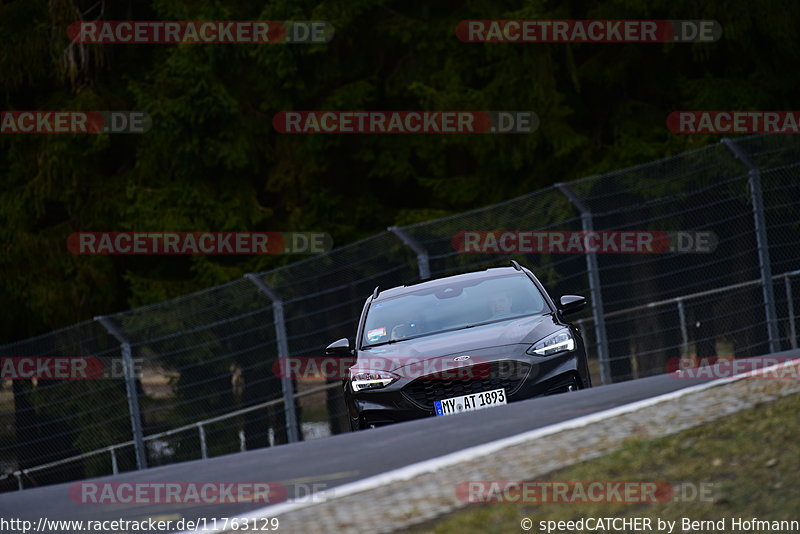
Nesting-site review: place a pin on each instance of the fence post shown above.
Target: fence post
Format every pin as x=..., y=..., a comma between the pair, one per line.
x=593, y=271
x=422, y=254
x=130, y=388
x=684, y=333
x=283, y=354
x=761, y=244
x=792, y=327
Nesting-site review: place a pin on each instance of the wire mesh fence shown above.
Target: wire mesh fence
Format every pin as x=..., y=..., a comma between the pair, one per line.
x=201, y=372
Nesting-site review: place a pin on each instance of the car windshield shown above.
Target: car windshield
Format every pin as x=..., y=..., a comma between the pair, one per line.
x=461, y=304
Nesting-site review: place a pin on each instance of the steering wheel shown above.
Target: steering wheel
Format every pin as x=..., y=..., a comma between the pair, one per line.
x=405, y=330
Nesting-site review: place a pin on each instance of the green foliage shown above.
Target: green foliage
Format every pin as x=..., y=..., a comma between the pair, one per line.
x=212, y=160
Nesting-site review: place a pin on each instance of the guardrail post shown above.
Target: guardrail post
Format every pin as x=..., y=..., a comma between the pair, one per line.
x=762, y=244
x=130, y=388
x=283, y=354
x=242, y=441
x=423, y=264
x=203, y=445
x=684, y=333
x=593, y=271
x=114, y=466
x=18, y=475
x=790, y=303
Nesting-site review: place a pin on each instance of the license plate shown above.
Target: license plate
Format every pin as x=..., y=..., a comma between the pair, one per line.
x=469, y=403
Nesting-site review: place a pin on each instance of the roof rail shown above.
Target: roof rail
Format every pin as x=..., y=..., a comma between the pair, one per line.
x=516, y=265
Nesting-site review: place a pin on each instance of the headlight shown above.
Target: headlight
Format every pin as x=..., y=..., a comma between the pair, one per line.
x=361, y=379
x=559, y=342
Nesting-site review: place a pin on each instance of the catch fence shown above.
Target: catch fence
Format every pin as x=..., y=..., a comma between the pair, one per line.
x=200, y=370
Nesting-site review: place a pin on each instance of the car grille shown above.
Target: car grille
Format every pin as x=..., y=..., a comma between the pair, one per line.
x=508, y=375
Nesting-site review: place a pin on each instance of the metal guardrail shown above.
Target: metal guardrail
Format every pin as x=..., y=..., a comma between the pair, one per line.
x=199, y=425
x=679, y=302
x=223, y=340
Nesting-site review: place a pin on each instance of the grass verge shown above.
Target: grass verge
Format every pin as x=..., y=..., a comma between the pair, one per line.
x=746, y=464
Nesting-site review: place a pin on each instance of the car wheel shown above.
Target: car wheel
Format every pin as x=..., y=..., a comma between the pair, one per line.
x=355, y=425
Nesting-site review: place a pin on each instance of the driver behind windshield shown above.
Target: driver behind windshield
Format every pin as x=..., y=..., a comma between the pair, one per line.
x=407, y=329
x=500, y=304
x=445, y=308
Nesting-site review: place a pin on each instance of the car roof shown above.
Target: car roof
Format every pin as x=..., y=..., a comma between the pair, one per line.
x=446, y=280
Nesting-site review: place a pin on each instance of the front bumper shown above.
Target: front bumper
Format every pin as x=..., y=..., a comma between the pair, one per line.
x=403, y=400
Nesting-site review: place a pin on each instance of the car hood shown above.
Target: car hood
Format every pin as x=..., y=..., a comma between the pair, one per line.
x=525, y=330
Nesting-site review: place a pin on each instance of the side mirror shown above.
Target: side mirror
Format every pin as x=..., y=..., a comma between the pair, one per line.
x=571, y=304
x=339, y=348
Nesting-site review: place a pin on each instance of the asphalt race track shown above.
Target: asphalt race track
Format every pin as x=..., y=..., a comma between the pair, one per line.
x=339, y=459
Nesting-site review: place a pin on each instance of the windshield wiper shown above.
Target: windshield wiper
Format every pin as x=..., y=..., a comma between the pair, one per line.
x=496, y=320
x=386, y=343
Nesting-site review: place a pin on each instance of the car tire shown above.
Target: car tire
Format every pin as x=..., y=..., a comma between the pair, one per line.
x=356, y=425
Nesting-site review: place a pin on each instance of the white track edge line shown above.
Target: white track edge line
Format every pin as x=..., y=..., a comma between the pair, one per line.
x=434, y=464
